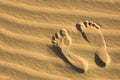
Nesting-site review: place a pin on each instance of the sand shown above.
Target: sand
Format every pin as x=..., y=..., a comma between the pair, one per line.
x=59, y=39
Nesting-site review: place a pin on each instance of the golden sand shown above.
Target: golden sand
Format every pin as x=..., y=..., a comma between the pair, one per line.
x=59, y=39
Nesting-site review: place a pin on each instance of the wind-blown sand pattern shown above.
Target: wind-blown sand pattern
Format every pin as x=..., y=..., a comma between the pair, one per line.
x=26, y=28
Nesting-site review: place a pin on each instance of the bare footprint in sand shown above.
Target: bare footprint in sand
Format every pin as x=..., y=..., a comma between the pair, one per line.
x=91, y=33
x=63, y=42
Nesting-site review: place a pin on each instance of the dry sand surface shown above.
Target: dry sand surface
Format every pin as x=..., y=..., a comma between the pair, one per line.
x=59, y=39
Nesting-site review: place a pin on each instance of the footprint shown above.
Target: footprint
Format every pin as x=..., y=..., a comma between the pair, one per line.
x=62, y=41
x=92, y=34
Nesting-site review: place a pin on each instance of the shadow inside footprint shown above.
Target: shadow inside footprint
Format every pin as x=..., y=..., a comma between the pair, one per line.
x=78, y=26
x=60, y=54
x=85, y=37
x=98, y=61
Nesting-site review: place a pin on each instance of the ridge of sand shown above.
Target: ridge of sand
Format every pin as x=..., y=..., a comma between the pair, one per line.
x=26, y=71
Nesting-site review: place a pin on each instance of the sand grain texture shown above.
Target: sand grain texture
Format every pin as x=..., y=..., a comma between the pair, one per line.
x=26, y=29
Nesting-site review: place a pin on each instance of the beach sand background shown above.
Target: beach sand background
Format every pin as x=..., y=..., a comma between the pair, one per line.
x=26, y=29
